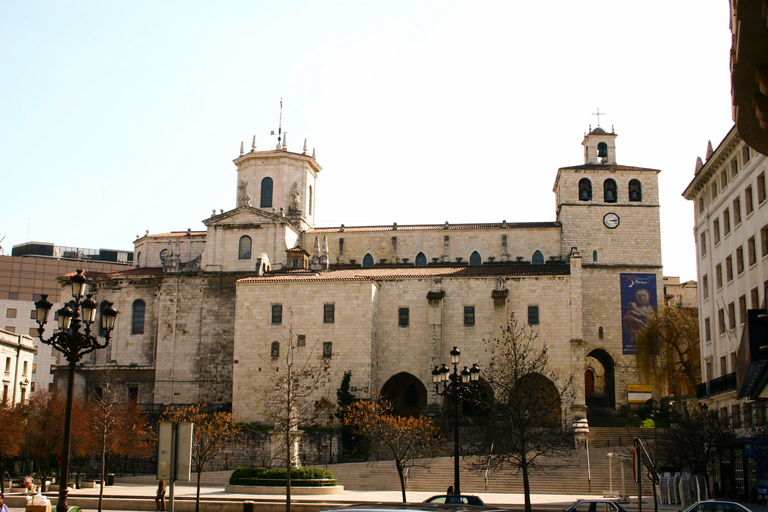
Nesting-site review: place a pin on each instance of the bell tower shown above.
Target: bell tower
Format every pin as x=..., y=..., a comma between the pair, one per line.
x=599, y=147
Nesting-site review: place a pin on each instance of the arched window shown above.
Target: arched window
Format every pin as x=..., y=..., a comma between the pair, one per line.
x=609, y=191
x=368, y=260
x=266, y=193
x=585, y=190
x=538, y=258
x=421, y=260
x=600, y=333
x=310, y=200
x=602, y=150
x=137, y=321
x=475, y=259
x=594, y=255
x=635, y=191
x=244, y=249
x=138, y=259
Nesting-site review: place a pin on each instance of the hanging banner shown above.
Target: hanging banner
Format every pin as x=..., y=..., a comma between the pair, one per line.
x=638, y=306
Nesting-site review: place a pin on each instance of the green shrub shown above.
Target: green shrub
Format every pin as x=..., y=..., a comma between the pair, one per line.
x=275, y=477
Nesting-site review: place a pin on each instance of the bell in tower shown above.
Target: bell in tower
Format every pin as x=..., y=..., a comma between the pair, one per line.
x=602, y=151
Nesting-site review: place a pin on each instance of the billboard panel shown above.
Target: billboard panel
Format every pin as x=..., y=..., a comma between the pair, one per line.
x=638, y=306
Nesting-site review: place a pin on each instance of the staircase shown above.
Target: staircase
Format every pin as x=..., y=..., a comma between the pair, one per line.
x=571, y=478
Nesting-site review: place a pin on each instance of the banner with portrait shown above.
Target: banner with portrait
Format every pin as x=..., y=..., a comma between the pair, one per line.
x=638, y=306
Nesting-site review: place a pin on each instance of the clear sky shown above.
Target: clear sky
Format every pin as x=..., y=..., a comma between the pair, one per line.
x=118, y=117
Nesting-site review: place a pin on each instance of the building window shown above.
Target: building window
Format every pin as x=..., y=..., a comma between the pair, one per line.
x=609, y=191
x=731, y=316
x=721, y=321
x=707, y=329
x=719, y=276
x=421, y=260
x=744, y=155
x=533, y=315
x=10, y=328
x=328, y=313
x=723, y=179
x=274, y=350
x=701, y=204
x=277, y=313
x=7, y=365
x=402, y=317
x=25, y=368
x=739, y=260
x=742, y=309
x=703, y=239
x=475, y=259
x=755, y=298
x=244, y=248
x=585, y=190
x=309, y=196
x=266, y=193
x=594, y=256
x=705, y=286
x=716, y=230
x=761, y=188
x=301, y=340
x=726, y=221
x=729, y=269
x=327, y=349
x=736, y=211
x=133, y=394
x=137, y=321
x=33, y=332
x=751, y=252
x=734, y=168
x=33, y=315
x=10, y=313
x=748, y=200
x=538, y=258
x=764, y=240
x=635, y=191
x=368, y=260
x=469, y=315
x=600, y=333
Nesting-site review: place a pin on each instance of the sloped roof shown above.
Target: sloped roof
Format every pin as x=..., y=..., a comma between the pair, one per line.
x=402, y=272
x=434, y=227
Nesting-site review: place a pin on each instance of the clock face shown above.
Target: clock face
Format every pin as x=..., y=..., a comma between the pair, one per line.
x=611, y=220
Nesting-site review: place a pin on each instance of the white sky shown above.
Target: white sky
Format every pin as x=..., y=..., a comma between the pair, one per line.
x=122, y=117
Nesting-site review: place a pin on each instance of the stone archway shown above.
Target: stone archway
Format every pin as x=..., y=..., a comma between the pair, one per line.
x=406, y=393
x=602, y=366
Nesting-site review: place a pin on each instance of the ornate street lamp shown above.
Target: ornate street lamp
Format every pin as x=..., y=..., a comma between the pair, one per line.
x=455, y=385
x=74, y=344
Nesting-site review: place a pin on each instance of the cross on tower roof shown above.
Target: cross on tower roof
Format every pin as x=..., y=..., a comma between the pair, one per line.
x=598, y=114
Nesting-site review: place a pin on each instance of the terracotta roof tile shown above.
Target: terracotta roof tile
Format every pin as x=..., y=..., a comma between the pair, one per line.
x=143, y=271
x=388, y=273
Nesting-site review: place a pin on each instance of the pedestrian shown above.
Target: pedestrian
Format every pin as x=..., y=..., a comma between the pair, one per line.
x=3, y=506
x=450, y=490
x=160, y=499
x=28, y=483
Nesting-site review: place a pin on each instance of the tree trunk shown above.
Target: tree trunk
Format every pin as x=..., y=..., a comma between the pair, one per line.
x=526, y=487
x=199, y=477
x=401, y=474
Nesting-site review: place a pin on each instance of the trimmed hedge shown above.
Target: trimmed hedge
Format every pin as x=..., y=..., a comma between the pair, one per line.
x=275, y=477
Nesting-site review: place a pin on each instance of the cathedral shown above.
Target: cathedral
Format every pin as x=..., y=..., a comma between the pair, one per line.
x=203, y=313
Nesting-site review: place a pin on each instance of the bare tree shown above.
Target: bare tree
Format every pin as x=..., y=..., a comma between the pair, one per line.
x=212, y=432
x=667, y=351
x=117, y=426
x=293, y=400
x=407, y=439
x=529, y=401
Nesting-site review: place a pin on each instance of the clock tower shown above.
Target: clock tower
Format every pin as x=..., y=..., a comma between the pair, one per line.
x=609, y=215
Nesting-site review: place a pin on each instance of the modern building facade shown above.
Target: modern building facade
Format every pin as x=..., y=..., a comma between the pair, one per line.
x=17, y=354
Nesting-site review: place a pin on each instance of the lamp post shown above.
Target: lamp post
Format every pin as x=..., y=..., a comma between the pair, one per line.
x=74, y=344
x=455, y=386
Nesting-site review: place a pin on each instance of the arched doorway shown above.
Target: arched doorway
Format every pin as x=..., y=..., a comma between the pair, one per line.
x=589, y=381
x=406, y=393
x=601, y=365
x=535, y=388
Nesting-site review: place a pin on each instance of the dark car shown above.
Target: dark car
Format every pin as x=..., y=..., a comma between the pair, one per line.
x=595, y=506
x=464, y=499
x=717, y=506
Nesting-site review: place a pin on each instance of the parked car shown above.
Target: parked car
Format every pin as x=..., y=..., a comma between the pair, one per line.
x=717, y=506
x=414, y=507
x=595, y=506
x=465, y=499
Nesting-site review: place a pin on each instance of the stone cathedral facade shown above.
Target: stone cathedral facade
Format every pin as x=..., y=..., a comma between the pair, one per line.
x=204, y=312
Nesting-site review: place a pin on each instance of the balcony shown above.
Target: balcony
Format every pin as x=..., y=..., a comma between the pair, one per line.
x=717, y=386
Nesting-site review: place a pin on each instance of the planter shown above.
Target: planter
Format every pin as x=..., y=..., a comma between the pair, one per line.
x=89, y=484
x=270, y=489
